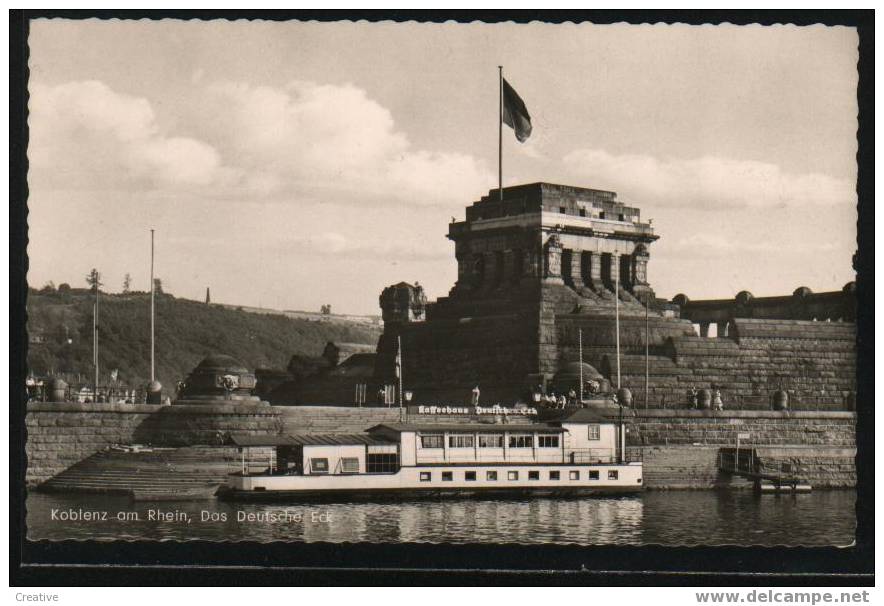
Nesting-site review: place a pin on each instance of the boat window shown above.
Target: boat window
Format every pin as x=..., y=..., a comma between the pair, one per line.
x=382, y=462
x=593, y=474
x=461, y=440
x=350, y=465
x=432, y=440
x=319, y=465
x=491, y=440
x=447, y=476
x=554, y=475
x=548, y=441
x=426, y=476
x=512, y=475
x=533, y=475
x=491, y=476
x=574, y=475
x=594, y=432
x=469, y=476
x=521, y=440
x=612, y=474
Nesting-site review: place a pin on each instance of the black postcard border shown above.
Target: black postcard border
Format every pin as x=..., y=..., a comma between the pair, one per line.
x=84, y=563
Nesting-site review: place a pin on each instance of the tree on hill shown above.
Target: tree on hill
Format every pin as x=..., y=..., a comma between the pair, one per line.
x=127, y=283
x=158, y=286
x=93, y=279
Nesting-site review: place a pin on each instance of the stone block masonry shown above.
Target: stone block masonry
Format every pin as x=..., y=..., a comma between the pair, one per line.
x=815, y=362
x=679, y=447
x=61, y=434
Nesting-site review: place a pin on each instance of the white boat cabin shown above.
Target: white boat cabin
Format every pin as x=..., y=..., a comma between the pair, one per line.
x=585, y=437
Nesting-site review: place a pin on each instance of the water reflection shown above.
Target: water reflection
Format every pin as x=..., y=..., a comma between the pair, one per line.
x=668, y=518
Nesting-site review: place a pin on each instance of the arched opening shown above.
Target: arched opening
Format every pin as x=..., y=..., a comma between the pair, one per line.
x=626, y=271
x=585, y=270
x=606, y=271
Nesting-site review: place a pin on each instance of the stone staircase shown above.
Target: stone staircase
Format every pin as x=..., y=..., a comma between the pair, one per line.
x=814, y=361
x=153, y=474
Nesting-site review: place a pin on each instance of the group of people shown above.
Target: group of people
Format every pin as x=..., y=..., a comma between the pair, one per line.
x=694, y=398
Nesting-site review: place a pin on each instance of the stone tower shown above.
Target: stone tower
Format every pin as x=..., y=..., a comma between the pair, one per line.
x=552, y=234
x=534, y=269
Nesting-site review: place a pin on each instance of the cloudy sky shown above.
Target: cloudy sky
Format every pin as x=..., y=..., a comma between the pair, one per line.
x=294, y=164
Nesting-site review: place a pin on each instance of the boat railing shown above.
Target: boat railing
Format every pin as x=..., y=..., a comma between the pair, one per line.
x=592, y=455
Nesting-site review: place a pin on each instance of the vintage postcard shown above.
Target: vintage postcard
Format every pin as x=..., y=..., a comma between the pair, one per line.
x=459, y=283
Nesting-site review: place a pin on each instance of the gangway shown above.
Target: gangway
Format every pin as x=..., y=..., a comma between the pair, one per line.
x=743, y=461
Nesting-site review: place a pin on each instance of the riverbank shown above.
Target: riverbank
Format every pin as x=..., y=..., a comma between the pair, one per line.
x=679, y=447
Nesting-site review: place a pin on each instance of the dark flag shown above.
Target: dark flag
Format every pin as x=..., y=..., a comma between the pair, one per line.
x=515, y=114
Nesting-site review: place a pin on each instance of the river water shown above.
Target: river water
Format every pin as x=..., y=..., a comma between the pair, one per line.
x=664, y=518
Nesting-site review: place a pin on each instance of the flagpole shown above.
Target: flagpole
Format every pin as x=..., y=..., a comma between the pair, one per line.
x=500, y=138
x=401, y=393
x=152, y=311
x=617, y=322
x=580, y=342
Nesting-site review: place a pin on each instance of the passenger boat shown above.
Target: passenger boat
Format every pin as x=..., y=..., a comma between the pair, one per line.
x=581, y=454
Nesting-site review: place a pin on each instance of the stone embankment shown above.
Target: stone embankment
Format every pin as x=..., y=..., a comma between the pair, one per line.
x=679, y=447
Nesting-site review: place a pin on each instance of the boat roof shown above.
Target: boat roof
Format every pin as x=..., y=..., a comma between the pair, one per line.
x=468, y=427
x=584, y=415
x=304, y=439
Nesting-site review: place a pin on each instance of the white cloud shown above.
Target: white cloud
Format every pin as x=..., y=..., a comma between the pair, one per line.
x=309, y=135
x=243, y=141
x=85, y=135
x=708, y=182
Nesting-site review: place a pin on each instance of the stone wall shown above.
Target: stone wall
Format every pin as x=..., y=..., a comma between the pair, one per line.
x=679, y=447
x=814, y=361
x=333, y=419
x=819, y=466
x=766, y=428
x=63, y=434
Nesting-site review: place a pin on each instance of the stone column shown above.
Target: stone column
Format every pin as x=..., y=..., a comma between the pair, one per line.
x=530, y=266
x=464, y=273
x=595, y=271
x=553, y=261
x=704, y=329
x=722, y=328
x=615, y=271
x=577, y=269
x=640, y=268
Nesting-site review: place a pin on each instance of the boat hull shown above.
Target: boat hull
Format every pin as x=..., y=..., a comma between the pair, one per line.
x=408, y=494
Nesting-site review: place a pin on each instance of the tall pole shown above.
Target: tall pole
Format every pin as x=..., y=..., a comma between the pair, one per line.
x=647, y=347
x=95, y=343
x=401, y=393
x=580, y=344
x=500, y=138
x=617, y=322
x=152, y=311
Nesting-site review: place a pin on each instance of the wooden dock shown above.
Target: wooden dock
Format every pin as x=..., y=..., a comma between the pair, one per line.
x=744, y=462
